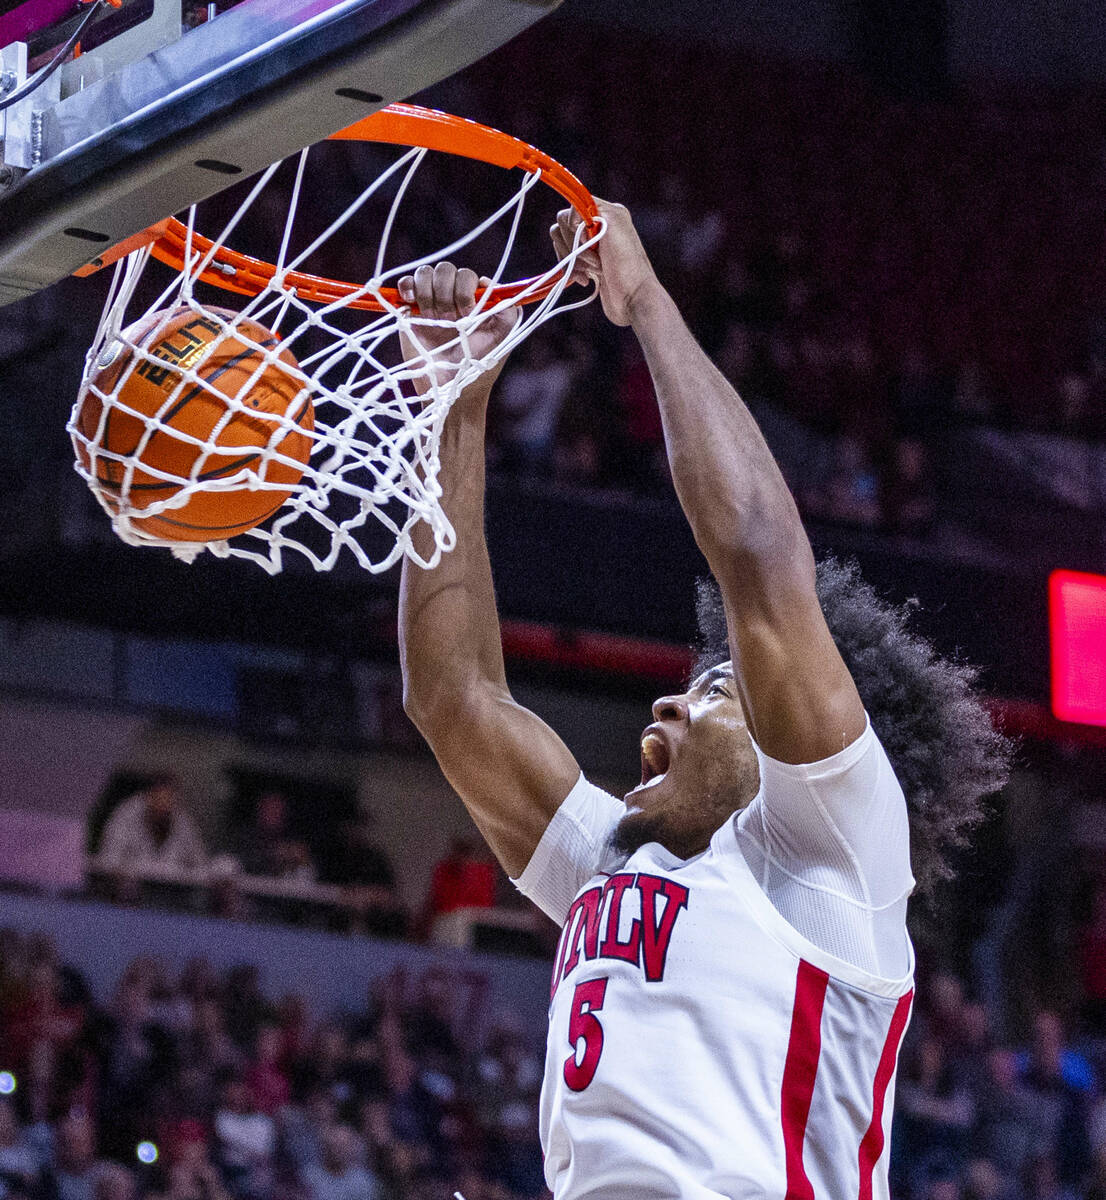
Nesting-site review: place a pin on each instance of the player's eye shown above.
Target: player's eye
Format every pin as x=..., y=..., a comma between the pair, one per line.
x=717, y=689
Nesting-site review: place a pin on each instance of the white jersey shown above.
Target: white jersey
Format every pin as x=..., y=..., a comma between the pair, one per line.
x=700, y=1046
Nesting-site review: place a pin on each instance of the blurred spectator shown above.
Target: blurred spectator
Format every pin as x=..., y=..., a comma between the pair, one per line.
x=302, y=1126
x=505, y=1085
x=429, y=1022
x=1064, y=1081
x=198, y=981
x=644, y=463
x=973, y=1048
x=983, y=1181
x=403, y=1102
x=1009, y=1129
x=115, y=1182
x=244, y=1005
x=1050, y=1059
x=152, y=827
x=267, y=847
x=909, y=494
x=326, y=1067
x=245, y=1142
x=934, y=1115
x=37, y=1021
x=851, y=491
x=19, y=1165
x=1043, y=1183
x=266, y=1075
x=208, y=1045
x=527, y=406
x=341, y=1175
x=74, y=1172
x=465, y=878
x=364, y=869
x=192, y=1174
x=134, y=1053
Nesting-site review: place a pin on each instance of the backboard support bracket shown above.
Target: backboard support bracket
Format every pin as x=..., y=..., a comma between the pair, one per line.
x=255, y=85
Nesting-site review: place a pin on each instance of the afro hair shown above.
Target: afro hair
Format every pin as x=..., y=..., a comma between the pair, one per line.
x=939, y=737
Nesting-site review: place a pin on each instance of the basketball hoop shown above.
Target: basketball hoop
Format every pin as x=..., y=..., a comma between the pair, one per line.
x=374, y=456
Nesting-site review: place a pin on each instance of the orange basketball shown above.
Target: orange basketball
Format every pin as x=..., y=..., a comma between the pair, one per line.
x=226, y=365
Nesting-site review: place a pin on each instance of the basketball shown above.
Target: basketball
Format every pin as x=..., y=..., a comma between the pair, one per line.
x=163, y=431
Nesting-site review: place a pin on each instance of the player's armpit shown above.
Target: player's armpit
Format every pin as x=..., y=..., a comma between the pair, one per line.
x=510, y=769
x=799, y=699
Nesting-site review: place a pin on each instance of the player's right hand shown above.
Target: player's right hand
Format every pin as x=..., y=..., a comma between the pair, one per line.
x=445, y=293
x=618, y=264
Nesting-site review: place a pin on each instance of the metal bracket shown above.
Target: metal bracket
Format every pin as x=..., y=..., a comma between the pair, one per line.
x=160, y=29
x=21, y=125
x=258, y=83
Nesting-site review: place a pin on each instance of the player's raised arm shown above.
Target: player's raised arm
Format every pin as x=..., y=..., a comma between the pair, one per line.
x=511, y=770
x=799, y=700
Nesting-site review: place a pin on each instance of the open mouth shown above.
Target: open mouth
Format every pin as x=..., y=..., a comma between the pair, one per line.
x=655, y=758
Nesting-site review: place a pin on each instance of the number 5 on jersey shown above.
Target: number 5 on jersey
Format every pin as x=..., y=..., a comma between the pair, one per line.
x=584, y=1026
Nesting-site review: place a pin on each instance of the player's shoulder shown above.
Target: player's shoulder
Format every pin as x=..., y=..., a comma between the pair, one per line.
x=862, y=769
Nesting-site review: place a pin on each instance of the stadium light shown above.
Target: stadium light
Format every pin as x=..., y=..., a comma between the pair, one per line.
x=1077, y=631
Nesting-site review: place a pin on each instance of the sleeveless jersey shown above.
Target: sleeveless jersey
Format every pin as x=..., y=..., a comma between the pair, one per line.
x=700, y=1047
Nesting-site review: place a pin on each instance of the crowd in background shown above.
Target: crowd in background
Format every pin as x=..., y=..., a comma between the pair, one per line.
x=872, y=274
x=198, y=1087
x=1001, y=1093
x=149, y=838
x=979, y=1119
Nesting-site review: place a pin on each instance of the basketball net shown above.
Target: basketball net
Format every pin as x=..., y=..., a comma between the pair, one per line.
x=375, y=454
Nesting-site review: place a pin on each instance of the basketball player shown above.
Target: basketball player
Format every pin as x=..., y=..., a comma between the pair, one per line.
x=734, y=974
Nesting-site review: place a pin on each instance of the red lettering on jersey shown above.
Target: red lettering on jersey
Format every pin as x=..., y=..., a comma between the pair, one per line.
x=649, y=936
x=582, y=919
x=656, y=936
x=587, y=904
x=629, y=951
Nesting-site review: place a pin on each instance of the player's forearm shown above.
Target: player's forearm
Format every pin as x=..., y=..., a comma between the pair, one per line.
x=729, y=485
x=449, y=628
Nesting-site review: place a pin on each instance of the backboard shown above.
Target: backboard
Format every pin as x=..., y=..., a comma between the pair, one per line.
x=157, y=118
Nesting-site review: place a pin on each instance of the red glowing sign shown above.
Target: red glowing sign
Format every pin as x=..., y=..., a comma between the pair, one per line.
x=1077, y=625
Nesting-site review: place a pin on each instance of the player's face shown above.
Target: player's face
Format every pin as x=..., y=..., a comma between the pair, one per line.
x=698, y=767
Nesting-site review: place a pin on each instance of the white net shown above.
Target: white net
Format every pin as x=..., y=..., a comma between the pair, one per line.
x=367, y=474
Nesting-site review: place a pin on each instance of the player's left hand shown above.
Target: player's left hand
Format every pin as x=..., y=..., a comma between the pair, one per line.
x=446, y=293
x=618, y=264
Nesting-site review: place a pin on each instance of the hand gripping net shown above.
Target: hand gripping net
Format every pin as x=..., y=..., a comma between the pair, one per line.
x=374, y=464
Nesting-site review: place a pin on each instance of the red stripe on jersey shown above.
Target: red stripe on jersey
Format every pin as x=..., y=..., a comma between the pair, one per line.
x=871, y=1145
x=800, y=1067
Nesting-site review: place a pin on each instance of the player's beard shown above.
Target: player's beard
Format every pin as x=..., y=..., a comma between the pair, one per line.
x=685, y=823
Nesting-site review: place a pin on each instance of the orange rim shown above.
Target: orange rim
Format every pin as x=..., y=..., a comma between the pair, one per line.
x=399, y=125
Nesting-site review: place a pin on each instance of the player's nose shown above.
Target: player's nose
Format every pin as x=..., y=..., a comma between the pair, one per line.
x=670, y=708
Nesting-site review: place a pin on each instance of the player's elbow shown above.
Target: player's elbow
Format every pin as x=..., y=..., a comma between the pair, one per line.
x=434, y=703
x=421, y=703
x=426, y=687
